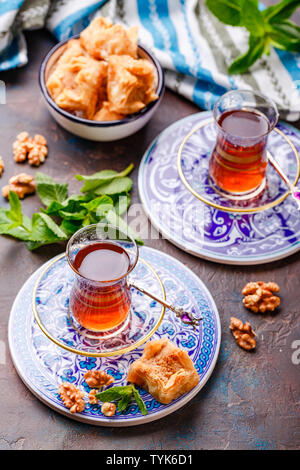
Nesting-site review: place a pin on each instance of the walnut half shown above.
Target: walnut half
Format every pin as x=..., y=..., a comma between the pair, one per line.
x=98, y=378
x=108, y=409
x=21, y=184
x=92, y=397
x=71, y=397
x=243, y=333
x=259, y=296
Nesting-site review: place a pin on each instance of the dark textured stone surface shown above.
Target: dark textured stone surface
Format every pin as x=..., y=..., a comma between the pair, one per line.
x=252, y=399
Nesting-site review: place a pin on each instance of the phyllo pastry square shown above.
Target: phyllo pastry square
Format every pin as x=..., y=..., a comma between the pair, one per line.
x=164, y=370
x=130, y=83
x=102, y=39
x=76, y=81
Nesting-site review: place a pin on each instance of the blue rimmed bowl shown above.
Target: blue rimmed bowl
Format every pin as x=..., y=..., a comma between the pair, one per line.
x=100, y=131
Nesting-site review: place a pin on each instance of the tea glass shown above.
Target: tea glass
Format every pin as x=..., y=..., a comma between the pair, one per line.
x=238, y=163
x=101, y=306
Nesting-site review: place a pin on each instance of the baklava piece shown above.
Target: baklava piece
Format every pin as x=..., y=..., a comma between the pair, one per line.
x=102, y=39
x=164, y=370
x=105, y=113
x=130, y=84
x=76, y=80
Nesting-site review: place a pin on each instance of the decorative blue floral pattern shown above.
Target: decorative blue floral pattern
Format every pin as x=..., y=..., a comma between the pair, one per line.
x=201, y=229
x=43, y=365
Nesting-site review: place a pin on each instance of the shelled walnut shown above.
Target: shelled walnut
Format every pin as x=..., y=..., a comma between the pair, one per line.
x=1, y=166
x=243, y=333
x=92, y=398
x=259, y=296
x=21, y=147
x=39, y=150
x=35, y=150
x=98, y=378
x=71, y=397
x=21, y=184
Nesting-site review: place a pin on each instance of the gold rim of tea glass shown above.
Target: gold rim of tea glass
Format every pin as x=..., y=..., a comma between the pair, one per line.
x=95, y=354
x=233, y=209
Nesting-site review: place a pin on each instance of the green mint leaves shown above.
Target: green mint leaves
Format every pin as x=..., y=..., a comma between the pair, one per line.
x=104, y=198
x=268, y=27
x=123, y=395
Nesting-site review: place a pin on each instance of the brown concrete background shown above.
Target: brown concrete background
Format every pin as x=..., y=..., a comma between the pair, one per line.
x=250, y=402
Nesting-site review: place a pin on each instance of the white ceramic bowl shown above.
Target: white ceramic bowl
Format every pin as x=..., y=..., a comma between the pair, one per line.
x=99, y=130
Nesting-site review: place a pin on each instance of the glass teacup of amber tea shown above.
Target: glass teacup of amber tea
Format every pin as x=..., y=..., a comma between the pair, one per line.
x=101, y=257
x=238, y=163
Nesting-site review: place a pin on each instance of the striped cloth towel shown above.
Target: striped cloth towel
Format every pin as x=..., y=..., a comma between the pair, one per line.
x=194, y=48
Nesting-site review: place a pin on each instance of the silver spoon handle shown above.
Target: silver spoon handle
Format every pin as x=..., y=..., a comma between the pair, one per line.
x=293, y=189
x=186, y=317
x=280, y=172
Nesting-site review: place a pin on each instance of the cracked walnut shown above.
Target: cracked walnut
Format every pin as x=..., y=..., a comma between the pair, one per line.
x=71, y=397
x=21, y=184
x=243, y=333
x=98, y=378
x=259, y=296
x=35, y=150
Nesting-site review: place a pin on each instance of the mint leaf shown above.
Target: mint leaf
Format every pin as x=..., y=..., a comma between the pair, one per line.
x=15, y=212
x=71, y=204
x=121, y=203
x=45, y=230
x=12, y=221
x=22, y=232
x=124, y=401
x=92, y=182
x=118, y=185
x=286, y=36
x=70, y=226
x=114, y=219
x=139, y=401
x=114, y=393
x=99, y=205
x=252, y=18
x=255, y=51
x=281, y=11
x=49, y=191
x=124, y=395
x=73, y=215
x=227, y=11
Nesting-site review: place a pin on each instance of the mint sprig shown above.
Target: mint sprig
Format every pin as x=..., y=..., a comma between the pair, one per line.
x=104, y=197
x=267, y=28
x=123, y=395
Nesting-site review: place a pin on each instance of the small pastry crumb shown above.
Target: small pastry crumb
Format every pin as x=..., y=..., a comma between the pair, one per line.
x=243, y=334
x=22, y=184
x=108, y=409
x=259, y=296
x=98, y=378
x=71, y=397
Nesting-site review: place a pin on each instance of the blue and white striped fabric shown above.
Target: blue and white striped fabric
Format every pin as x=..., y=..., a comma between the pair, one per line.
x=194, y=48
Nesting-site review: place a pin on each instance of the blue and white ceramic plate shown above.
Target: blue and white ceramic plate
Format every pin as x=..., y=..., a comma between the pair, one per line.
x=43, y=365
x=184, y=208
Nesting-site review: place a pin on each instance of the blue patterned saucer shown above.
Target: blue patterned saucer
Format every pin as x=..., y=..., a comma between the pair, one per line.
x=184, y=208
x=50, y=303
x=43, y=365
